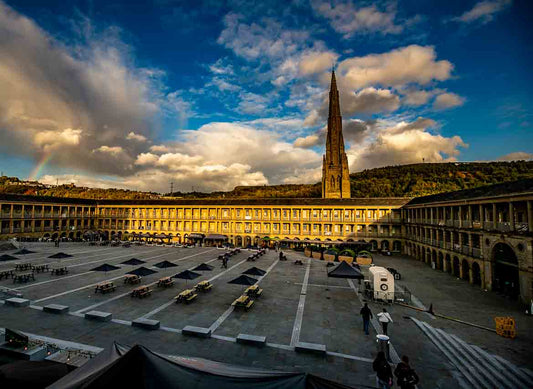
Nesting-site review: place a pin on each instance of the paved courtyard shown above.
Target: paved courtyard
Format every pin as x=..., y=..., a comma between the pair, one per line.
x=299, y=304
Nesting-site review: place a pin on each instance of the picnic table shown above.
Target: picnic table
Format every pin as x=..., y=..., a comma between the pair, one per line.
x=165, y=282
x=105, y=287
x=41, y=268
x=59, y=271
x=243, y=302
x=23, y=278
x=253, y=291
x=23, y=266
x=141, y=291
x=132, y=279
x=203, y=286
x=186, y=296
x=251, y=258
x=7, y=274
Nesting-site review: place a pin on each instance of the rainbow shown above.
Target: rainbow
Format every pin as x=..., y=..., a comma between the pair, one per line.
x=40, y=165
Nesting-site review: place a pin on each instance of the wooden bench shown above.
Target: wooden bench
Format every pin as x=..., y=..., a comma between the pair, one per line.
x=132, y=279
x=165, y=282
x=203, y=286
x=7, y=274
x=41, y=268
x=23, y=278
x=104, y=288
x=59, y=271
x=186, y=296
x=253, y=291
x=23, y=266
x=141, y=291
x=243, y=302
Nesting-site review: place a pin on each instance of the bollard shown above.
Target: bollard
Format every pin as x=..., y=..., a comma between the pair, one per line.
x=383, y=344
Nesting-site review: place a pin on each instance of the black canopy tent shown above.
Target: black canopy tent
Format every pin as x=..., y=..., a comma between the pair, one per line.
x=24, y=251
x=142, y=271
x=203, y=267
x=105, y=267
x=254, y=271
x=165, y=265
x=243, y=280
x=187, y=275
x=344, y=270
x=133, y=261
x=60, y=255
x=7, y=257
x=148, y=369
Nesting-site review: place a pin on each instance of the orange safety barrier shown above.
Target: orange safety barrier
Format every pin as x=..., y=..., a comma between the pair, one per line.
x=505, y=326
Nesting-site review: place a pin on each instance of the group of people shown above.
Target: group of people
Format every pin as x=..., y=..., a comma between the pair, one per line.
x=405, y=375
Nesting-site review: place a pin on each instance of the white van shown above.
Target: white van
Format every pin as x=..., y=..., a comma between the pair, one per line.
x=382, y=282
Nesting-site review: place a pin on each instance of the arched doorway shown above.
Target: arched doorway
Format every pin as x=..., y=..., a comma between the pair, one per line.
x=374, y=244
x=434, y=257
x=440, y=261
x=465, y=270
x=505, y=276
x=247, y=241
x=456, y=267
x=238, y=241
x=385, y=245
x=476, y=274
x=397, y=246
x=448, y=261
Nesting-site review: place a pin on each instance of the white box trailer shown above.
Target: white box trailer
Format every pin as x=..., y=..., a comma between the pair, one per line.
x=382, y=282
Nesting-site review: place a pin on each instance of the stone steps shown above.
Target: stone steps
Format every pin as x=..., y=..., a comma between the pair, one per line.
x=480, y=369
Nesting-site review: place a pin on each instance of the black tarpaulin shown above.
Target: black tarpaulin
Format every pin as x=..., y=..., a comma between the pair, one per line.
x=142, y=271
x=344, y=270
x=140, y=367
x=133, y=261
x=31, y=374
x=60, y=255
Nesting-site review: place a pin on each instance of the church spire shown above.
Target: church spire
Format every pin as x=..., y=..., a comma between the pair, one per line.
x=335, y=174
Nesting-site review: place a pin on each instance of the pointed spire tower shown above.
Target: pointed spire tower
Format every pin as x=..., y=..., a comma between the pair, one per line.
x=335, y=174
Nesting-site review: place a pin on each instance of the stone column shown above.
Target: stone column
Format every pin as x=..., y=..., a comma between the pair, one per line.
x=481, y=215
x=511, y=215
x=494, y=215
x=460, y=216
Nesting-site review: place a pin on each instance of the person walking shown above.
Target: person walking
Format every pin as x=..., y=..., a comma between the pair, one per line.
x=225, y=262
x=384, y=318
x=383, y=371
x=366, y=313
x=407, y=377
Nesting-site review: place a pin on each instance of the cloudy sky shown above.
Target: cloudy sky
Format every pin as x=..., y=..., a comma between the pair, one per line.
x=212, y=94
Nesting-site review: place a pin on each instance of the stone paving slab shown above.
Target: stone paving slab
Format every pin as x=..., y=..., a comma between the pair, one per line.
x=99, y=316
x=56, y=308
x=251, y=339
x=18, y=302
x=146, y=324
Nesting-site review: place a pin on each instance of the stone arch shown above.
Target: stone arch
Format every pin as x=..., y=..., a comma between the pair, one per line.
x=374, y=244
x=456, y=267
x=465, y=270
x=505, y=274
x=247, y=241
x=428, y=255
x=440, y=261
x=397, y=246
x=238, y=241
x=476, y=274
x=434, y=257
x=55, y=235
x=385, y=246
x=448, y=264
x=71, y=235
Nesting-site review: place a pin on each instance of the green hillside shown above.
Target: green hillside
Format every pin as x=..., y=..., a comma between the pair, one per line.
x=392, y=181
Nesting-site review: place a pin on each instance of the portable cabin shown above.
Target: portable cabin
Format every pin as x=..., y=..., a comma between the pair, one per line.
x=382, y=282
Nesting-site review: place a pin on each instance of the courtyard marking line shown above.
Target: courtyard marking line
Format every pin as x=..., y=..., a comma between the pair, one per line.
x=168, y=304
x=392, y=351
x=296, y=328
x=213, y=327
x=80, y=311
x=324, y=286
x=76, y=275
x=111, y=279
